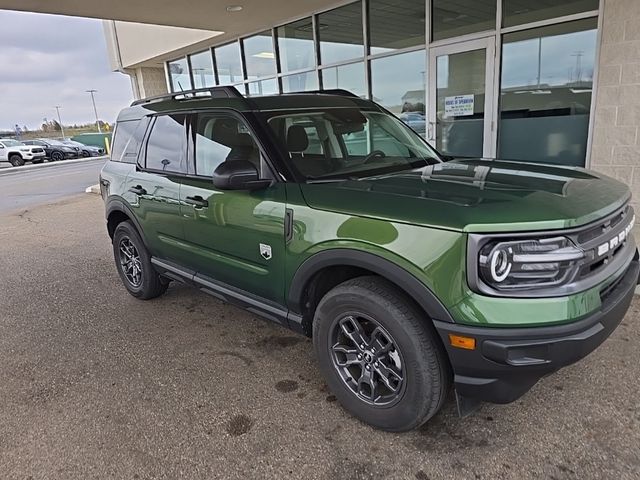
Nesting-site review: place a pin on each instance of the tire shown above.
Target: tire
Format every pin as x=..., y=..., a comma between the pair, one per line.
x=56, y=156
x=390, y=322
x=85, y=154
x=16, y=160
x=149, y=284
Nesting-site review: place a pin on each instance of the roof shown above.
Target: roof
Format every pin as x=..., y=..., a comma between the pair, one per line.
x=229, y=97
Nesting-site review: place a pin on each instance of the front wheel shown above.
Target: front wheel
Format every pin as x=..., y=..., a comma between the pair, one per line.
x=56, y=156
x=379, y=355
x=16, y=160
x=133, y=262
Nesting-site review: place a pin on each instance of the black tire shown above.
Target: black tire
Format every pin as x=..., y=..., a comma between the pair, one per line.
x=56, y=156
x=16, y=160
x=85, y=154
x=424, y=368
x=149, y=284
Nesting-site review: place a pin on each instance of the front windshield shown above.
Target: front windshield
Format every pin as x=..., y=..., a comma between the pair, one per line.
x=55, y=142
x=349, y=143
x=12, y=143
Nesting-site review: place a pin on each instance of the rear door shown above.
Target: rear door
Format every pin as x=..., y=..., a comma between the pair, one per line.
x=153, y=189
x=235, y=237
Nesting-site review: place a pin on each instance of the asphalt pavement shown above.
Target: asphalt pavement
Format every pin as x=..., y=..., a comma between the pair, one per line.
x=27, y=187
x=97, y=384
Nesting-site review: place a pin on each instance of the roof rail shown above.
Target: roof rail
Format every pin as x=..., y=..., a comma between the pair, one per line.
x=329, y=91
x=213, y=92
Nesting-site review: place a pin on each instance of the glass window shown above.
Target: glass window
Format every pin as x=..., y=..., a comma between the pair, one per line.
x=545, y=97
x=450, y=19
x=259, y=58
x=517, y=12
x=179, y=75
x=127, y=139
x=398, y=83
x=228, y=63
x=395, y=24
x=263, y=87
x=219, y=139
x=295, y=45
x=300, y=82
x=349, y=142
x=340, y=33
x=202, y=70
x=348, y=77
x=166, y=144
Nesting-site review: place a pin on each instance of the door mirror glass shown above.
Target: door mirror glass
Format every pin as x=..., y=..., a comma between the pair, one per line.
x=238, y=175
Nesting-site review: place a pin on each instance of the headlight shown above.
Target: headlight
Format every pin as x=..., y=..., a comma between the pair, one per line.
x=525, y=264
x=25, y=149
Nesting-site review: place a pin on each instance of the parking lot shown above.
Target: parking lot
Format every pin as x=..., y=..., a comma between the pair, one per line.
x=96, y=384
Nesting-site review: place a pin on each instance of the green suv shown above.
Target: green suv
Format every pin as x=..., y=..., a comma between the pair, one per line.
x=411, y=272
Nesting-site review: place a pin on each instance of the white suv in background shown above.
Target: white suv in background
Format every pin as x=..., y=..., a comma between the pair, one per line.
x=16, y=153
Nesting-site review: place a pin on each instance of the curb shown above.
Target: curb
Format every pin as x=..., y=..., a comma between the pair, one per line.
x=94, y=189
x=26, y=168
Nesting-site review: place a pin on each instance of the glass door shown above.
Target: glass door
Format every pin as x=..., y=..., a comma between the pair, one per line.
x=461, y=98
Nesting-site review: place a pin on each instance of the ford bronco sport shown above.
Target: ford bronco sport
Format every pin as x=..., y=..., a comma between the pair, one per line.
x=323, y=212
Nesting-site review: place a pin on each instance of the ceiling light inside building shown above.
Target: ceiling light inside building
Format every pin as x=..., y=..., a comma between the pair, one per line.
x=234, y=8
x=264, y=55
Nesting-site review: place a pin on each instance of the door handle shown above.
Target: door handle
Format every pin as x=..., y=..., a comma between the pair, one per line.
x=138, y=190
x=197, y=201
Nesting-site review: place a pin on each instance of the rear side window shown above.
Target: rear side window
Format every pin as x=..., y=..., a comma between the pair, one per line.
x=166, y=144
x=126, y=140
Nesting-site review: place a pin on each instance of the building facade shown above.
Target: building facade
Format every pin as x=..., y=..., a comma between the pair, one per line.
x=544, y=81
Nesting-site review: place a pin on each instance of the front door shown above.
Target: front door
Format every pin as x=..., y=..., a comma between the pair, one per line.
x=235, y=237
x=460, y=98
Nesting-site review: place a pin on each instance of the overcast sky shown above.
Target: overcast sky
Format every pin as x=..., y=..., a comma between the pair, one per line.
x=51, y=60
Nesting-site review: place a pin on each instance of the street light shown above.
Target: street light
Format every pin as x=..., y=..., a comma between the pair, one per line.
x=58, y=107
x=93, y=100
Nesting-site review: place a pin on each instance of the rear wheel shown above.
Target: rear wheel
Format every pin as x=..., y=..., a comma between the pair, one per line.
x=134, y=264
x=16, y=160
x=380, y=356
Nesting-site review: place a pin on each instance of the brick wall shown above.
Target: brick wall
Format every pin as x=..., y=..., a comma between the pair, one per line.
x=616, y=136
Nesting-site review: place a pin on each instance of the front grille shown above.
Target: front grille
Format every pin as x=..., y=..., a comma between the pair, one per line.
x=37, y=150
x=604, y=241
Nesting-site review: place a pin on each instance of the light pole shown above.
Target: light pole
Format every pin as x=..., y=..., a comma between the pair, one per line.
x=93, y=100
x=58, y=107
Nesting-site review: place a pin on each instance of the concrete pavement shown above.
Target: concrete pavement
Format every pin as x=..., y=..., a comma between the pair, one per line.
x=97, y=384
x=24, y=187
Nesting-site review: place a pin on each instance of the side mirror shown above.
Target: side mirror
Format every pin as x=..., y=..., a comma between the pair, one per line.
x=238, y=175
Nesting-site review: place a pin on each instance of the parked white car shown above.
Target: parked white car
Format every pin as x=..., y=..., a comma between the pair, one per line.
x=17, y=153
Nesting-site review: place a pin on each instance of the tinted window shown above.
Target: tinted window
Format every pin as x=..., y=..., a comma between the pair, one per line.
x=517, y=12
x=340, y=33
x=451, y=19
x=220, y=139
x=122, y=139
x=395, y=24
x=166, y=145
x=295, y=44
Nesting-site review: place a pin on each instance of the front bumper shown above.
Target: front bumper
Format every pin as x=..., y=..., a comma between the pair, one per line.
x=507, y=362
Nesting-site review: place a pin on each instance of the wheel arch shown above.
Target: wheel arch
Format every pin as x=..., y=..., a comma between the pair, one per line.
x=117, y=211
x=349, y=263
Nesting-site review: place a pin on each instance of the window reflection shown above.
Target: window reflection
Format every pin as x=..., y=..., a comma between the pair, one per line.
x=264, y=87
x=547, y=77
x=300, y=82
x=396, y=24
x=228, y=63
x=450, y=19
x=295, y=45
x=202, y=69
x=340, y=33
x=517, y=12
x=179, y=72
x=348, y=77
x=398, y=83
x=258, y=55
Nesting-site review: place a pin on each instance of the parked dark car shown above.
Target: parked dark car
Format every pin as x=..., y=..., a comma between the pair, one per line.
x=84, y=150
x=55, y=149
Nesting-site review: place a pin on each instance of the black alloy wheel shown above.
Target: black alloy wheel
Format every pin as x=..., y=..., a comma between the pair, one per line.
x=367, y=359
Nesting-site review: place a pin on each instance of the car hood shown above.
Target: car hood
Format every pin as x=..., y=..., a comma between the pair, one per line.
x=477, y=195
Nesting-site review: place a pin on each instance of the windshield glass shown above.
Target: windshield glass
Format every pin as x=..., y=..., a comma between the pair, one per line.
x=12, y=143
x=348, y=143
x=55, y=142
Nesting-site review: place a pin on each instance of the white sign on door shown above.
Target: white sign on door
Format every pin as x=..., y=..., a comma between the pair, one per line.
x=458, y=106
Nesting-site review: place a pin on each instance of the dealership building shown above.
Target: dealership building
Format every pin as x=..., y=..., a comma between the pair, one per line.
x=555, y=81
